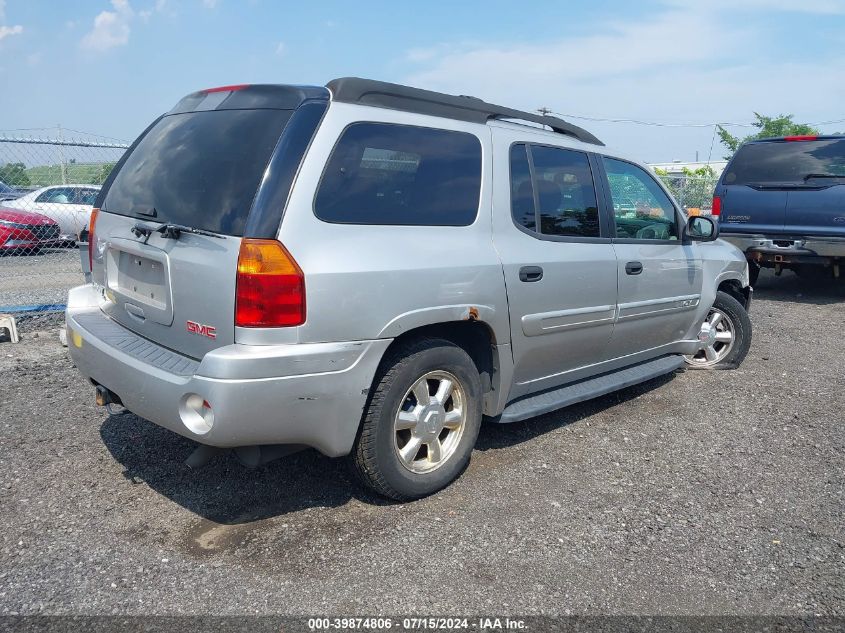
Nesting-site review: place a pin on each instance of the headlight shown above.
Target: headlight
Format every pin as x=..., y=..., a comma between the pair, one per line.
x=11, y=225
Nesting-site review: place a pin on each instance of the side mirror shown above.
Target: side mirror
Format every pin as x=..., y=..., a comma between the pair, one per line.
x=701, y=228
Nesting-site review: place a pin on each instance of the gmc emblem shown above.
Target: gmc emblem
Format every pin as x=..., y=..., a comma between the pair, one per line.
x=203, y=330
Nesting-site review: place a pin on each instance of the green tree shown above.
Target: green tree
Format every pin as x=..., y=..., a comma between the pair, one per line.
x=781, y=125
x=105, y=170
x=14, y=175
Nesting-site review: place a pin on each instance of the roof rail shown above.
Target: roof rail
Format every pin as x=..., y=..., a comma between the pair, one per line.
x=397, y=97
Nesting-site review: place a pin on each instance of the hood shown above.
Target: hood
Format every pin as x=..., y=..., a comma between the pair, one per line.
x=19, y=216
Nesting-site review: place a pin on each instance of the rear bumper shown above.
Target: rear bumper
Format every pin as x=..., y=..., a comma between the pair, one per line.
x=787, y=249
x=312, y=394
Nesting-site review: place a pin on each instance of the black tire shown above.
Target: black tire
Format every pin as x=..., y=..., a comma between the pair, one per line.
x=374, y=456
x=741, y=330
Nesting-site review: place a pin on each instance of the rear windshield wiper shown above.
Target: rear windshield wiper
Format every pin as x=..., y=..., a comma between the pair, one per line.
x=809, y=176
x=173, y=231
x=170, y=231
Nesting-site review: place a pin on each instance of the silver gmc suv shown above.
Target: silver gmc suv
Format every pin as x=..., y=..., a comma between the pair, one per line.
x=370, y=269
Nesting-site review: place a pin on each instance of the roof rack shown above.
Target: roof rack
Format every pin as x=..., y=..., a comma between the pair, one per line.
x=397, y=97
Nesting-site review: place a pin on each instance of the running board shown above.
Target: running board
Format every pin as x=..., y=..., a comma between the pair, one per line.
x=588, y=389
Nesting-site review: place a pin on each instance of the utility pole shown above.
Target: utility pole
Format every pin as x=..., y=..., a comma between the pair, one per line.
x=62, y=169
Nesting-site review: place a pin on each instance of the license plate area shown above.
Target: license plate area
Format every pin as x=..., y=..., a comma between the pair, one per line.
x=138, y=281
x=141, y=279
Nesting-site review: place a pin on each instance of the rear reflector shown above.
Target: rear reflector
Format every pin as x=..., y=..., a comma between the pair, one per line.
x=231, y=88
x=801, y=137
x=92, y=238
x=716, y=210
x=270, y=286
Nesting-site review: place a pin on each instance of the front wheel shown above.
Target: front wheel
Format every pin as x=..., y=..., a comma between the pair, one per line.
x=733, y=336
x=422, y=421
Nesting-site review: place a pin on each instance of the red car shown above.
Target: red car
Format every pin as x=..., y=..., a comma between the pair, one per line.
x=22, y=230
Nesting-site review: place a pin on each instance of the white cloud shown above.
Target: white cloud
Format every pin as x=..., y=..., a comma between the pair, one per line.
x=280, y=49
x=820, y=7
x=6, y=31
x=209, y=4
x=683, y=63
x=111, y=28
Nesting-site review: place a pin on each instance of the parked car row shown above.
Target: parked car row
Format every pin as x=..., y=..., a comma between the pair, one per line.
x=47, y=217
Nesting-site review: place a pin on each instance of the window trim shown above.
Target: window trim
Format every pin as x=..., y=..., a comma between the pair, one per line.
x=608, y=202
x=328, y=161
x=603, y=237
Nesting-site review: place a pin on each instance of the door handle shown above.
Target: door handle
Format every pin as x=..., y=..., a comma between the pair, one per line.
x=634, y=268
x=530, y=273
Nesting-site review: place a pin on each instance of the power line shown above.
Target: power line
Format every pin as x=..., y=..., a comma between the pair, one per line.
x=667, y=124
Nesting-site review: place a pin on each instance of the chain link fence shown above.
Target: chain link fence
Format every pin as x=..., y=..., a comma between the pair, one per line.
x=693, y=192
x=48, y=187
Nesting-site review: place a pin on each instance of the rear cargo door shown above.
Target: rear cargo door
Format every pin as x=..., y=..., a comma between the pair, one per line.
x=791, y=186
x=817, y=212
x=753, y=210
x=199, y=169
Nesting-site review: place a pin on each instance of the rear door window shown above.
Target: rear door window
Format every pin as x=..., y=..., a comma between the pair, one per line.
x=787, y=162
x=382, y=173
x=198, y=169
x=557, y=189
x=522, y=189
x=85, y=196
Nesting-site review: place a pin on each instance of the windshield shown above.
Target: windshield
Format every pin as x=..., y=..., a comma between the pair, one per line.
x=786, y=162
x=198, y=169
x=4, y=188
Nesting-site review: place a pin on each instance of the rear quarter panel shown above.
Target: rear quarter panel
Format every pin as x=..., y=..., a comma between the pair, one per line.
x=376, y=281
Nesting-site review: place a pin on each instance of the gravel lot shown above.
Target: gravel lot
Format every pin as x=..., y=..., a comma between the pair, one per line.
x=39, y=279
x=700, y=493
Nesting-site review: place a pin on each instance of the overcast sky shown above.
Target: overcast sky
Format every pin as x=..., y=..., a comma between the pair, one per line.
x=110, y=67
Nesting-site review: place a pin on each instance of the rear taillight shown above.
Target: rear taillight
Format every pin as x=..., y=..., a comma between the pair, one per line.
x=716, y=210
x=92, y=239
x=232, y=88
x=270, y=286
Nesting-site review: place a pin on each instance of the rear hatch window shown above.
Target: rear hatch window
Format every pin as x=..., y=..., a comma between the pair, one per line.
x=788, y=163
x=198, y=169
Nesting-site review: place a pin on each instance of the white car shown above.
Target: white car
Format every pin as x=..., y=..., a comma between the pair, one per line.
x=69, y=205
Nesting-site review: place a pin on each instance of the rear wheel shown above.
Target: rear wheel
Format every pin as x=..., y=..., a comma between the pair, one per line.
x=733, y=336
x=422, y=421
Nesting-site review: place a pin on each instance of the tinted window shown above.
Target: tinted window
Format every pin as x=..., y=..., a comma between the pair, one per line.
x=86, y=196
x=60, y=195
x=564, y=188
x=522, y=190
x=786, y=162
x=565, y=192
x=200, y=169
x=395, y=174
x=641, y=209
